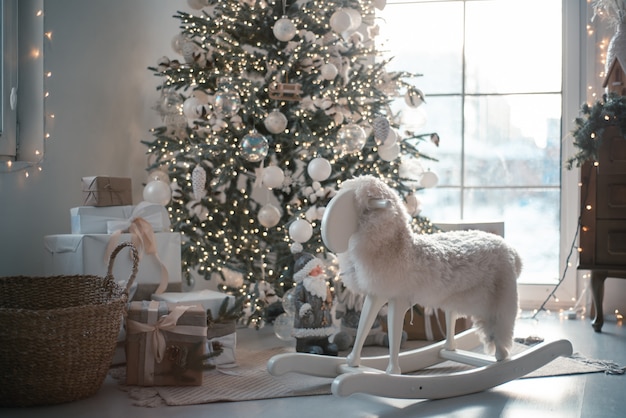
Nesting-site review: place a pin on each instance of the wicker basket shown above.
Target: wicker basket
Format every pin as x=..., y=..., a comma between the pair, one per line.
x=58, y=334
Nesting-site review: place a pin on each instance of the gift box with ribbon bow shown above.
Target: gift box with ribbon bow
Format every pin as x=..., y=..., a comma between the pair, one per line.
x=107, y=191
x=108, y=219
x=221, y=332
x=165, y=344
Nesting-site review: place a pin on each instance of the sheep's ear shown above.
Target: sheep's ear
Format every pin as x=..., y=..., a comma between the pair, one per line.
x=378, y=204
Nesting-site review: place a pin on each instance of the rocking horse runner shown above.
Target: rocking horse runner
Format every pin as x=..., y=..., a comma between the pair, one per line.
x=463, y=272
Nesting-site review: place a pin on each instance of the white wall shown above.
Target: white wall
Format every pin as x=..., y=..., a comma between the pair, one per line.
x=101, y=93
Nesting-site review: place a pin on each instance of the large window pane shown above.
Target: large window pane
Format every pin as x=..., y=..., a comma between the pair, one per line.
x=425, y=38
x=513, y=46
x=513, y=140
x=531, y=221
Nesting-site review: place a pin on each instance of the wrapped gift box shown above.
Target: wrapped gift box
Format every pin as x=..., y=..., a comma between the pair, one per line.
x=165, y=344
x=220, y=334
x=431, y=326
x=107, y=191
x=495, y=227
x=108, y=219
x=211, y=300
x=71, y=254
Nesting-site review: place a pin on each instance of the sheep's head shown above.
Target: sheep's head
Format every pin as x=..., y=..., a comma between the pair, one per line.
x=375, y=201
x=364, y=206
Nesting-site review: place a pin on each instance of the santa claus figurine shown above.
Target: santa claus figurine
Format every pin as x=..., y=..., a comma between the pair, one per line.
x=313, y=302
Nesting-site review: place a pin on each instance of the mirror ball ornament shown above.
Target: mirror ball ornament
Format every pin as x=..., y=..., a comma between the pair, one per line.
x=319, y=169
x=275, y=122
x=254, y=147
x=269, y=216
x=284, y=29
x=300, y=231
x=157, y=192
x=283, y=326
x=351, y=138
x=227, y=101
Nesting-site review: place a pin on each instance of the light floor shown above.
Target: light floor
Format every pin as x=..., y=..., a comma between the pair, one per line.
x=589, y=395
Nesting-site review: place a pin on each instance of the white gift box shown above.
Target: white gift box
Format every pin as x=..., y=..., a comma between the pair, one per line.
x=495, y=227
x=84, y=254
x=108, y=219
x=210, y=300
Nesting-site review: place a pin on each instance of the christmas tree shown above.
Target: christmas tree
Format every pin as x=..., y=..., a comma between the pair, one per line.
x=271, y=105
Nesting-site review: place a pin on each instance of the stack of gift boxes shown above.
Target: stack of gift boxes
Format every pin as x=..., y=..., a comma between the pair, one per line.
x=166, y=338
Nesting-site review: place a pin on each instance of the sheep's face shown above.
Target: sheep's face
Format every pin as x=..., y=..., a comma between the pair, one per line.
x=377, y=204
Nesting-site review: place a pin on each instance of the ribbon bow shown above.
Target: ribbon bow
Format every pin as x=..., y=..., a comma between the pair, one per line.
x=142, y=236
x=165, y=323
x=151, y=212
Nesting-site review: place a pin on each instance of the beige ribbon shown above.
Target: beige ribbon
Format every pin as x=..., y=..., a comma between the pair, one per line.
x=155, y=340
x=142, y=236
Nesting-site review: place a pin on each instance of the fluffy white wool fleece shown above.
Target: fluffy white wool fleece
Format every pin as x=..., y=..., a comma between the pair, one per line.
x=470, y=272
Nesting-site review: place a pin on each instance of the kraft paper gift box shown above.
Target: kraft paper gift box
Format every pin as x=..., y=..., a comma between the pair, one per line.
x=430, y=326
x=221, y=335
x=165, y=344
x=108, y=219
x=107, y=191
x=86, y=254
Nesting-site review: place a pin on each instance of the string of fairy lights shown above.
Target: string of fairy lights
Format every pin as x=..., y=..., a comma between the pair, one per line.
x=598, y=38
x=23, y=165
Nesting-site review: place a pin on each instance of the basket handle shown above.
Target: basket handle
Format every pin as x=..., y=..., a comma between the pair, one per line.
x=135, y=259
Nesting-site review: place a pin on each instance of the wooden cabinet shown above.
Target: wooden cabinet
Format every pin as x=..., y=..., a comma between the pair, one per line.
x=602, y=240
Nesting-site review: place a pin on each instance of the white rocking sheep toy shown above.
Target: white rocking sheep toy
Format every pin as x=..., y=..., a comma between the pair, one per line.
x=465, y=273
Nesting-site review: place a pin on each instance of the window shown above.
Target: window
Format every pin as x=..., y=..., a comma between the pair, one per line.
x=493, y=77
x=8, y=79
x=22, y=85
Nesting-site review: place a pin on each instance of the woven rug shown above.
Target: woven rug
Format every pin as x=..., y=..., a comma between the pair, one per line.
x=250, y=380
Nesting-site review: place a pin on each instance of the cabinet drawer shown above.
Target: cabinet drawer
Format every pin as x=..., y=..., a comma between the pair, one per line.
x=612, y=153
x=611, y=197
x=611, y=242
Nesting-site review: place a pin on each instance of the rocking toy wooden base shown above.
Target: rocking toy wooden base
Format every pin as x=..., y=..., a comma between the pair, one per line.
x=370, y=377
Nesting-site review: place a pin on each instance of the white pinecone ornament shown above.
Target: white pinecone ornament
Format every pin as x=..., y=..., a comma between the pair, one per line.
x=198, y=182
x=381, y=129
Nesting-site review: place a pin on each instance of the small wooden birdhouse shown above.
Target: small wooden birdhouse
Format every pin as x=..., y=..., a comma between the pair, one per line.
x=615, y=80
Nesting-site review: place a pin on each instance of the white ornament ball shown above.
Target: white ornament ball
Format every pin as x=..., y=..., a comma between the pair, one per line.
x=269, y=216
x=273, y=177
x=340, y=21
x=275, y=122
x=192, y=108
x=157, y=192
x=283, y=326
x=159, y=175
x=391, y=138
x=389, y=153
x=284, y=29
x=429, y=179
x=414, y=97
x=355, y=18
x=329, y=71
x=379, y=4
x=300, y=231
x=319, y=169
